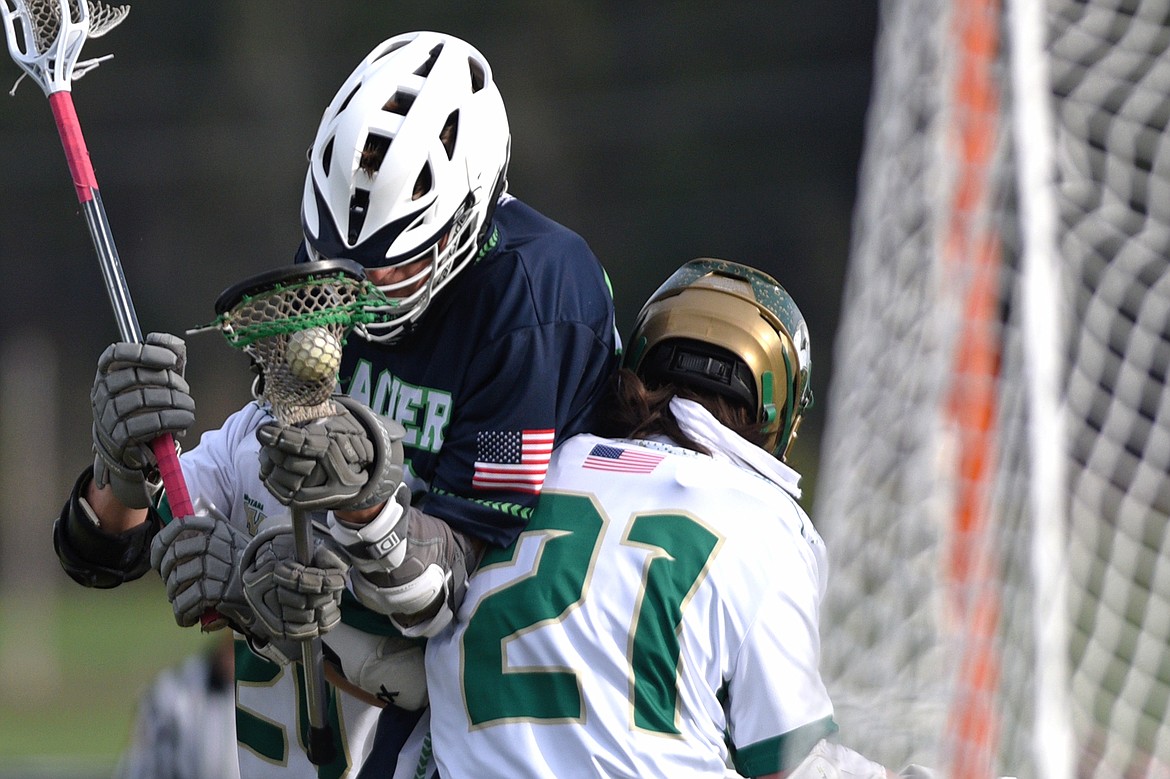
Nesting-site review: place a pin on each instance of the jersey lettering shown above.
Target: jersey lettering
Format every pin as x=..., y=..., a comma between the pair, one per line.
x=571, y=526
x=438, y=411
x=266, y=738
x=406, y=411
x=423, y=411
x=254, y=514
x=681, y=549
x=270, y=740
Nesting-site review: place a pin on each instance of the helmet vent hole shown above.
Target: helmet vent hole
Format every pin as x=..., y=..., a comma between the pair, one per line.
x=399, y=103
x=424, y=69
x=373, y=153
x=423, y=183
x=359, y=207
x=345, y=103
x=327, y=156
x=478, y=76
x=449, y=133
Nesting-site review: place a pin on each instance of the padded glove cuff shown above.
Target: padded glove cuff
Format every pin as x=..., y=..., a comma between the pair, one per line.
x=378, y=546
x=133, y=487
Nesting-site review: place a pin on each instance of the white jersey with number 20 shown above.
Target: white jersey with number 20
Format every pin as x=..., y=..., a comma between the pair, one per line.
x=661, y=606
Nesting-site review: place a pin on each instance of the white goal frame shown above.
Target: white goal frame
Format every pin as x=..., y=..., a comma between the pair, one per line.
x=994, y=486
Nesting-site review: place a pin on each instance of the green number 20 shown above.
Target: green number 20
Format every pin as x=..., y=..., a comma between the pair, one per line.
x=270, y=740
x=680, y=551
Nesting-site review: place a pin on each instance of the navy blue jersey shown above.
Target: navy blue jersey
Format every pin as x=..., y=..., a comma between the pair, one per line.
x=510, y=358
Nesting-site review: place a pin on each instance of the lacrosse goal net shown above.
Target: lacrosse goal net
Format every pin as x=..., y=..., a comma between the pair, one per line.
x=994, y=486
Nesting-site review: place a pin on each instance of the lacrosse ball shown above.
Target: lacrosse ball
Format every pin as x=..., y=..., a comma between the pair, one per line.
x=313, y=354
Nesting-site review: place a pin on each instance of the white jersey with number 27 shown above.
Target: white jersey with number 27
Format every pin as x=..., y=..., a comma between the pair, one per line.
x=658, y=617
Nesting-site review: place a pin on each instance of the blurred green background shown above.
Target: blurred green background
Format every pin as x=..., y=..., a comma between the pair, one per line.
x=659, y=131
x=69, y=697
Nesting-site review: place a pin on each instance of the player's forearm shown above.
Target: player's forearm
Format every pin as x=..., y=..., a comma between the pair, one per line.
x=360, y=516
x=101, y=551
x=113, y=516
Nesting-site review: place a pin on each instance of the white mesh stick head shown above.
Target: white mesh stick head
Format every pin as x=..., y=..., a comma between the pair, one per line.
x=45, y=37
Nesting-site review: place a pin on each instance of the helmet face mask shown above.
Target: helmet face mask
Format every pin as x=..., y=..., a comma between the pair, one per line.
x=411, y=291
x=724, y=328
x=409, y=160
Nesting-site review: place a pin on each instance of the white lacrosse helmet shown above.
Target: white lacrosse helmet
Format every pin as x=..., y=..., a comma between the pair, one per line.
x=408, y=163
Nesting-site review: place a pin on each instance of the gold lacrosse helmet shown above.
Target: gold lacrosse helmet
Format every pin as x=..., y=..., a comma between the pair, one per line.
x=722, y=327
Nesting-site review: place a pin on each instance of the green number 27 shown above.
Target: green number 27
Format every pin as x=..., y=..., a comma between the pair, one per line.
x=681, y=549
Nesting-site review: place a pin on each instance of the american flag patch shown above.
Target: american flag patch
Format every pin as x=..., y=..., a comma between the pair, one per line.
x=614, y=458
x=514, y=460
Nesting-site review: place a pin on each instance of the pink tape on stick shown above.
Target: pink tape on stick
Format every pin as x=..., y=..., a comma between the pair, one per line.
x=85, y=183
x=76, y=153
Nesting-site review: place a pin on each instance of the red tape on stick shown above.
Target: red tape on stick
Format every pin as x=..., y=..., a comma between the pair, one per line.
x=85, y=183
x=172, y=476
x=76, y=153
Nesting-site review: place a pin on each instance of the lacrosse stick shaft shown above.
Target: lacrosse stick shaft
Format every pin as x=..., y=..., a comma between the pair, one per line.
x=85, y=183
x=320, y=743
x=292, y=323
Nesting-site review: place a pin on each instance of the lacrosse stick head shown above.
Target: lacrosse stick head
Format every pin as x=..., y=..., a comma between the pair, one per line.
x=293, y=322
x=45, y=37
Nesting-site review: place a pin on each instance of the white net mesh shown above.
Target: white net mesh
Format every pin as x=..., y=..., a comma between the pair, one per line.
x=294, y=331
x=103, y=18
x=911, y=477
x=45, y=17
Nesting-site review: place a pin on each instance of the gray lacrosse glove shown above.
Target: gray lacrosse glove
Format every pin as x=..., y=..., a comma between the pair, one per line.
x=138, y=394
x=198, y=558
x=292, y=601
x=352, y=460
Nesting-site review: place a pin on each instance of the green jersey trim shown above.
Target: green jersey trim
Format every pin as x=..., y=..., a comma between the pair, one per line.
x=784, y=752
x=512, y=509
